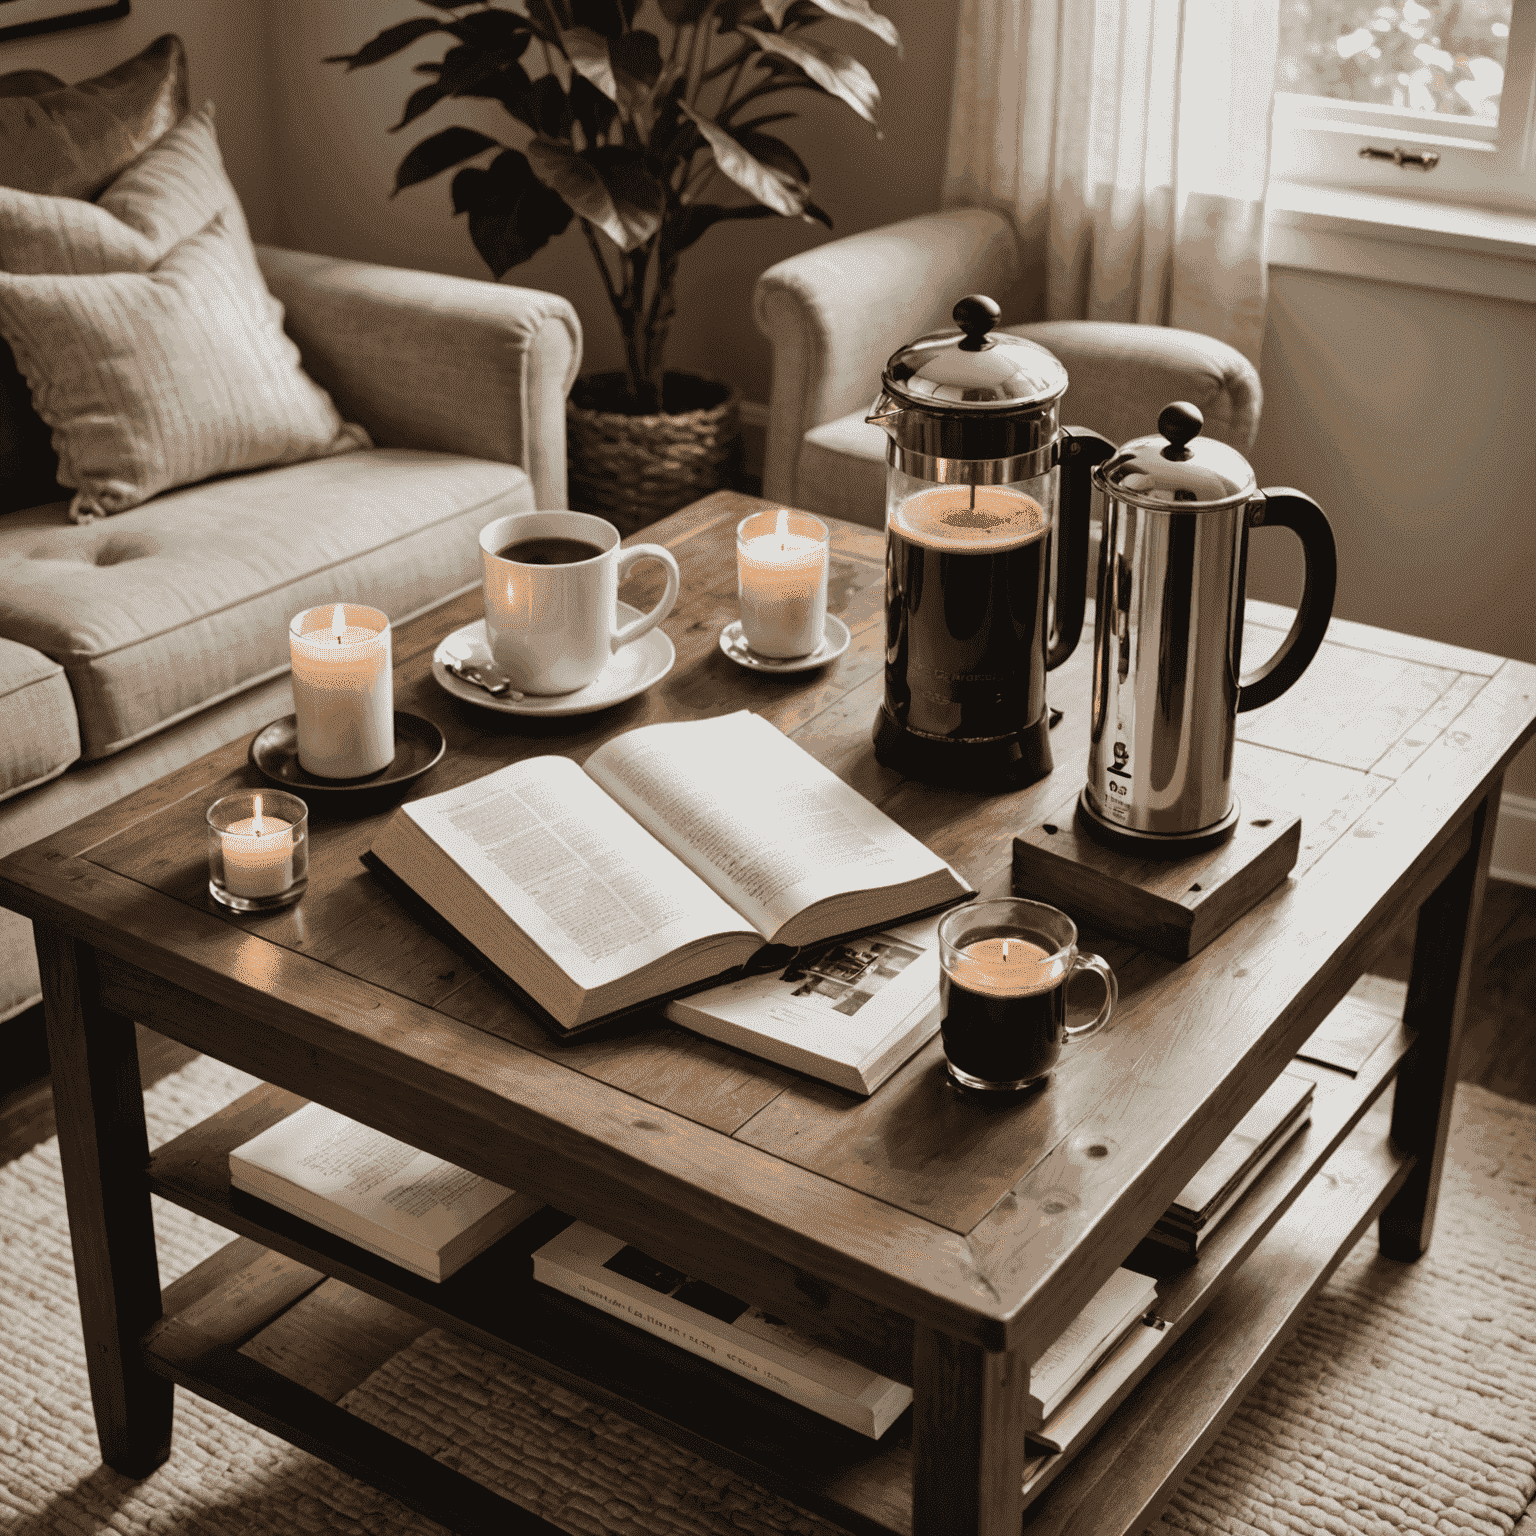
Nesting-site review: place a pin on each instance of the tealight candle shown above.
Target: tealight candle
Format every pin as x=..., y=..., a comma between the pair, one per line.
x=343, y=690
x=781, y=571
x=258, y=850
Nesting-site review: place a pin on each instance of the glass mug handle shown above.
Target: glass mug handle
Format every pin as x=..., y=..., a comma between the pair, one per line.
x=1100, y=966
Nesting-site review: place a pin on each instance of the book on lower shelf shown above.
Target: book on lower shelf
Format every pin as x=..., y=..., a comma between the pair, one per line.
x=850, y=1012
x=402, y=1204
x=609, y=1274
x=667, y=862
x=1086, y=1344
x=1284, y=1111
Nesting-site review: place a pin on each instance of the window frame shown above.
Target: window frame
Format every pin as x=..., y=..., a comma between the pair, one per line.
x=1316, y=140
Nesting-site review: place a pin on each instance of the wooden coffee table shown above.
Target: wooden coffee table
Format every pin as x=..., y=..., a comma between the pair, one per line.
x=944, y=1240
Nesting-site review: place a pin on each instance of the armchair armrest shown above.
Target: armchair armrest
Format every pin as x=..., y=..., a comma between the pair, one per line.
x=836, y=313
x=427, y=361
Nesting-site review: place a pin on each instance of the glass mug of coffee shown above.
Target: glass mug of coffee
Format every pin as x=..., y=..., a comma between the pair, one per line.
x=552, y=593
x=1004, y=967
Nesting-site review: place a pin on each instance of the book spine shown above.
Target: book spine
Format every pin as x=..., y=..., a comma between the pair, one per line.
x=731, y=1354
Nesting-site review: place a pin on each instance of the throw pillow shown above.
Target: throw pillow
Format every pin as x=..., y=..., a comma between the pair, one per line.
x=72, y=140
x=156, y=379
x=167, y=195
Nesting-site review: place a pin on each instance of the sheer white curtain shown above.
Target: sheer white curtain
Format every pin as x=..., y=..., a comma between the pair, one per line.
x=1129, y=139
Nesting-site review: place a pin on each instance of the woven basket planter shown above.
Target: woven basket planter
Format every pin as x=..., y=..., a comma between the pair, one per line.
x=636, y=469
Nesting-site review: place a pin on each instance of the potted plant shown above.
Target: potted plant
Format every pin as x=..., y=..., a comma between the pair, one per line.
x=647, y=137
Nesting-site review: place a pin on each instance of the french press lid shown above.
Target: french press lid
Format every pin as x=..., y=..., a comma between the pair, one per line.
x=971, y=404
x=1174, y=466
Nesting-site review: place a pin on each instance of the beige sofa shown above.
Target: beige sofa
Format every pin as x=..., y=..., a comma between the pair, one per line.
x=132, y=645
x=836, y=313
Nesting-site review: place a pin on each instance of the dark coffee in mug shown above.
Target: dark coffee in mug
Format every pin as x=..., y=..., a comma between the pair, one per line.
x=991, y=1031
x=549, y=551
x=965, y=611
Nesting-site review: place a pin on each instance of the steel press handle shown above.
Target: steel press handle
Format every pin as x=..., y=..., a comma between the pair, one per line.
x=1285, y=508
x=1078, y=451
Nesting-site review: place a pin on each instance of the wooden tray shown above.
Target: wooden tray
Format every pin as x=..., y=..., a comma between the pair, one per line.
x=1173, y=906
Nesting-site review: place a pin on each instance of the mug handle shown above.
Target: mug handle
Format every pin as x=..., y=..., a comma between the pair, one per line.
x=647, y=622
x=1100, y=966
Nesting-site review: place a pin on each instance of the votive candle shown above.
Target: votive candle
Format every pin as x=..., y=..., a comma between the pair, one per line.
x=258, y=849
x=343, y=690
x=781, y=571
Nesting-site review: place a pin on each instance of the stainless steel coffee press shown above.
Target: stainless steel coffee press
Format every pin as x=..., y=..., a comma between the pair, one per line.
x=1168, y=633
x=973, y=520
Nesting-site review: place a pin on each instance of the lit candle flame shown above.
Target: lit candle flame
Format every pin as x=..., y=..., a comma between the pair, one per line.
x=256, y=817
x=339, y=622
x=1006, y=943
x=783, y=529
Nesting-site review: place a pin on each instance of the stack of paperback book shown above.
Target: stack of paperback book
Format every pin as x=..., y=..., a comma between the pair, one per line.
x=1261, y=1134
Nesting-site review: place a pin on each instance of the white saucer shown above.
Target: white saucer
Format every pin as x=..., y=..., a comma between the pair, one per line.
x=835, y=640
x=633, y=669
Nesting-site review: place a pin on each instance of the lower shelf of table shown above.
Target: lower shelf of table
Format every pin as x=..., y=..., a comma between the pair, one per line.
x=1227, y=1318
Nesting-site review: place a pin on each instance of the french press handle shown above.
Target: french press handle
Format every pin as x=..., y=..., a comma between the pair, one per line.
x=1282, y=507
x=1078, y=450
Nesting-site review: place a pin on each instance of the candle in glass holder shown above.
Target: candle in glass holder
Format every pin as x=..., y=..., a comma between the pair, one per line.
x=781, y=570
x=343, y=690
x=258, y=849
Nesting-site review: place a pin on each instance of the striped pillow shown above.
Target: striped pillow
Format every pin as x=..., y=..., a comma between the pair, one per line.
x=155, y=379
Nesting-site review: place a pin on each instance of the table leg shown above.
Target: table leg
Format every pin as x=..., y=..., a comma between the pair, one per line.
x=968, y=1438
x=1443, y=948
x=104, y=1149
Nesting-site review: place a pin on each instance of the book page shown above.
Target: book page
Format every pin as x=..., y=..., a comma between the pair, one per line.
x=588, y=885
x=755, y=816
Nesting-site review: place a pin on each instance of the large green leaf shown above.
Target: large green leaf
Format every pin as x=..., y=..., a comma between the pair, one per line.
x=469, y=71
x=775, y=154
x=419, y=101
x=388, y=43
x=839, y=74
x=503, y=33
x=588, y=53
x=638, y=54
x=746, y=170
x=859, y=12
x=439, y=152
x=512, y=214
x=546, y=20
x=609, y=17
x=591, y=109
x=584, y=186
x=699, y=217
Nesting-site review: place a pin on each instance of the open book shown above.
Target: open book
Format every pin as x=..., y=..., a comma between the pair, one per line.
x=670, y=859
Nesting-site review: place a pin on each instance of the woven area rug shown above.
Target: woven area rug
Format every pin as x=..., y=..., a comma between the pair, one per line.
x=1406, y=1404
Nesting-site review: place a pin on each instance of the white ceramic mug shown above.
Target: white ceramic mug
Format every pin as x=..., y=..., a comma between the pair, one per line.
x=553, y=628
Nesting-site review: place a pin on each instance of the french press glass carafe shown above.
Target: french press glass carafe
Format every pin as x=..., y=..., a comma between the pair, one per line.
x=973, y=518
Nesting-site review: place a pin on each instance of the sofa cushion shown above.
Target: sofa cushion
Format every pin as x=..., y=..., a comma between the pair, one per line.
x=842, y=470
x=39, y=738
x=72, y=141
x=185, y=600
x=162, y=378
x=173, y=190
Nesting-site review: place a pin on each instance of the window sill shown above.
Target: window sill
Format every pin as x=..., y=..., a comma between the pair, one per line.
x=1403, y=240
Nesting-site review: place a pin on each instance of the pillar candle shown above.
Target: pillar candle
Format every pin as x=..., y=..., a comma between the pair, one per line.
x=258, y=855
x=343, y=690
x=781, y=568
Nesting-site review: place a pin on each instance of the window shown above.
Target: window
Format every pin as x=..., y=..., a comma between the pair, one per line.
x=1447, y=80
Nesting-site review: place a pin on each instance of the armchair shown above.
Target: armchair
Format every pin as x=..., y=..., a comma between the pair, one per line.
x=836, y=313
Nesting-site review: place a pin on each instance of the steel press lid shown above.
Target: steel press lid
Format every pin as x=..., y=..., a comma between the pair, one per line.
x=974, y=368
x=1174, y=465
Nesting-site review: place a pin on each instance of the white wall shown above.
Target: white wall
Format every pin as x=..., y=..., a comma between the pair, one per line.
x=227, y=54
x=1410, y=415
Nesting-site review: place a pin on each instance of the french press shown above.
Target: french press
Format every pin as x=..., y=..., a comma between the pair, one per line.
x=972, y=518
x=1168, y=634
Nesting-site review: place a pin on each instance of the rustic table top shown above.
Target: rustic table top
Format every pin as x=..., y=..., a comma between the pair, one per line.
x=851, y=1217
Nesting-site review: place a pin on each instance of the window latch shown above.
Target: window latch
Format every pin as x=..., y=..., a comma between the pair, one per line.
x=1425, y=161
